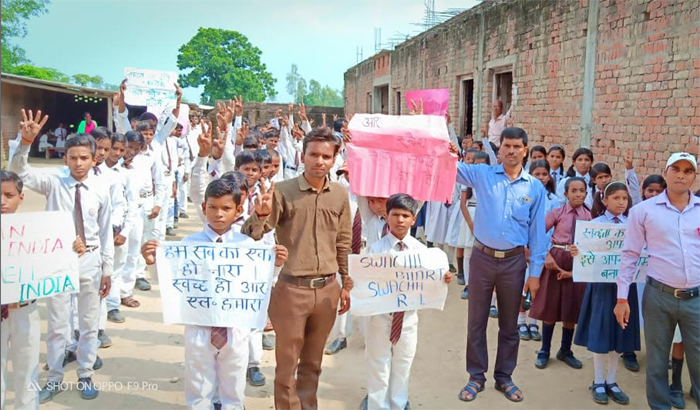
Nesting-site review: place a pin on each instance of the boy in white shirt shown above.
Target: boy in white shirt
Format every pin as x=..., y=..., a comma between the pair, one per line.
x=83, y=195
x=212, y=371
x=391, y=339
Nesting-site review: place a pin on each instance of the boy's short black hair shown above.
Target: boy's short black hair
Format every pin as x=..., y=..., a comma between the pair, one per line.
x=338, y=124
x=237, y=179
x=322, y=134
x=220, y=187
x=246, y=157
x=145, y=126
x=273, y=153
x=573, y=179
x=148, y=116
x=514, y=133
x=402, y=201
x=9, y=176
x=263, y=156
x=272, y=134
x=251, y=142
x=180, y=126
x=118, y=138
x=135, y=136
x=101, y=133
x=81, y=140
x=482, y=155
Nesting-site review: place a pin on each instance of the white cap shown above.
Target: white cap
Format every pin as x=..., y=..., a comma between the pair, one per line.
x=682, y=156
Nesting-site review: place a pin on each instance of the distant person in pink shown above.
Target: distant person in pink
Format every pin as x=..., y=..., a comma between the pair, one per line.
x=87, y=125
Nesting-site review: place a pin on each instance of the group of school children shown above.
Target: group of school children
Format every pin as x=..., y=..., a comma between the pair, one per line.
x=118, y=188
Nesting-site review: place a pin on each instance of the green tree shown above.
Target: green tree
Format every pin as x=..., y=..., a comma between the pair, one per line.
x=15, y=14
x=296, y=85
x=322, y=95
x=42, y=73
x=226, y=64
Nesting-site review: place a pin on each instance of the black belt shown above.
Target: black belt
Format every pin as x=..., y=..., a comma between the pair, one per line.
x=21, y=304
x=496, y=253
x=676, y=292
x=314, y=282
x=290, y=167
x=91, y=248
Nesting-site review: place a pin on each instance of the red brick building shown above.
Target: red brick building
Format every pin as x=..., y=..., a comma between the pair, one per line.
x=605, y=74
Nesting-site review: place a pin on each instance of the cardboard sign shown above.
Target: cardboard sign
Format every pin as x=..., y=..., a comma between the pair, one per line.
x=150, y=88
x=38, y=260
x=398, y=281
x=401, y=154
x=215, y=284
x=600, y=247
x=435, y=101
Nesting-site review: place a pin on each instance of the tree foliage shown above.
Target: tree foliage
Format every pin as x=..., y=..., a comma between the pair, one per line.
x=296, y=85
x=15, y=14
x=316, y=94
x=85, y=80
x=226, y=64
x=42, y=73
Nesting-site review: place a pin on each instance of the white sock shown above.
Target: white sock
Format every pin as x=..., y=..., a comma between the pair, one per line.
x=599, y=370
x=532, y=321
x=493, y=299
x=521, y=318
x=613, y=360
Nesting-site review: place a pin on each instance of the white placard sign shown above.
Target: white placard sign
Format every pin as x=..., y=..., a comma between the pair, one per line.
x=151, y=88
x=37, y=256
x=600, y=253
x=398, y=281
x=215, y=284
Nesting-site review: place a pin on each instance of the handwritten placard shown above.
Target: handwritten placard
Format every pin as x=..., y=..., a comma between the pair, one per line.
x=600, y=253
x=38, y=260
x=151, y=88
x=215, y=284
x=435, y=101
x=398, y=281
x=401, y=154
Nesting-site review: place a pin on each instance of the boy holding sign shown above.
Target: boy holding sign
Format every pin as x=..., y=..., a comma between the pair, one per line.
x=216, y=358
x=391, y=339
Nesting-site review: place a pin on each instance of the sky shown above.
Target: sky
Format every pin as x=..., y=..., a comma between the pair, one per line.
x=101, y=37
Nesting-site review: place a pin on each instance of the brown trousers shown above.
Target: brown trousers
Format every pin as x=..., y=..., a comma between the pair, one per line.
x=302, y=319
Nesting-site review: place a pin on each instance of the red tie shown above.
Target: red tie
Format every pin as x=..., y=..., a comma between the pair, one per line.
x=218, y=334
x=78, y=214
x=397, y=317
x=385, y=229
x=616, y=220
x=356, y=244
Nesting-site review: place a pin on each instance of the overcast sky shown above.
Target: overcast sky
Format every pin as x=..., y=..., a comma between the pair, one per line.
x=101, y=37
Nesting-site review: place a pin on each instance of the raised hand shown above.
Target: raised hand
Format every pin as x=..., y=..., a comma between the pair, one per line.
x=242, y=133
x=178, y=93
x=31, y=125
x=217, y=144
x=278, y=113
x=238, y=105
x=204, y=141
x=629, y=159
x=283, y=122
x=263, y=202
x=335, y=117
x=290, y=108
x=302, y=112
x=416, y=109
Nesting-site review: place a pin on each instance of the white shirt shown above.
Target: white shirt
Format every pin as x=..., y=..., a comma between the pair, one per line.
x=59, y=190
x=372, y=224
x=124, y=182
x=147, y=174
x=389, y=244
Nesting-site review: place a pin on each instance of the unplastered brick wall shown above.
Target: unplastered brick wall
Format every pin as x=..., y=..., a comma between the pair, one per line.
x=646, y=89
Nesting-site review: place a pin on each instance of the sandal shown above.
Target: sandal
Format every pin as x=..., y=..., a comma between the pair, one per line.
x=509, y=389
x=130, y=302
x=471, y=389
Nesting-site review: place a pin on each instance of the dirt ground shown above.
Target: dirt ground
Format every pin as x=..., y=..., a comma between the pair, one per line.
x=145, y=363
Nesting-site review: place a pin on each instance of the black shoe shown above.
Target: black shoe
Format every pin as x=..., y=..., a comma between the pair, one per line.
x=217, y=405
x=677, y=399
x=255, y=378
x=542, y=359
x=69, y=357
x=600, y=398
x=98, y=364
x=568, y=358
x=461, y=280
x=618, y=397
x=523, y=332
x=183, y=215
x=452, y=268
x=534, y=331
x=630, y=360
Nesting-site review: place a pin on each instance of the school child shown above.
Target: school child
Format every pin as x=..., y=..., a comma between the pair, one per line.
x=265, y=159
x=540, y=170
x=172, y=165
x=216, y=365
x=436, y=224
x=559, y=298
x=271, y=139
x=122, y=226
x=601, y=175
x=276, y=174
x=81, y=194
x=182, y=173
x=555, y=159
x=458, y=229
x=538, y=152
x=391, y=339
x=20, y=329
x=147, y=178
x=581, y=167
x=597, y=328
x=249, y=165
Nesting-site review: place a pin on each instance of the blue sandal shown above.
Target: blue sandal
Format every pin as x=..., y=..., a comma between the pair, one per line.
x=509, y=389
x=472, y=389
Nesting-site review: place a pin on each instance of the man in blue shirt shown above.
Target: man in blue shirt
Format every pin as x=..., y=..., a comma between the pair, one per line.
x=509, y=219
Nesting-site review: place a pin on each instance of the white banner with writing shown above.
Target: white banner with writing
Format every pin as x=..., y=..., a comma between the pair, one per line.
x=215, y=284
x=398, y=281
x=37, y=256
x=151, y=88
x=600, y=253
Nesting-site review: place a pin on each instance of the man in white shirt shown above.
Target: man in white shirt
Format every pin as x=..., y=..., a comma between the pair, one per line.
x=497, y=123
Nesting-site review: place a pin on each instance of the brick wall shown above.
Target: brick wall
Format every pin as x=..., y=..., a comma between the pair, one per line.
x=646, y=94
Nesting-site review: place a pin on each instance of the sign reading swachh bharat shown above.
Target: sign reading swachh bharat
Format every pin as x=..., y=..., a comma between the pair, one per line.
x=401, y=154
x=37, y=256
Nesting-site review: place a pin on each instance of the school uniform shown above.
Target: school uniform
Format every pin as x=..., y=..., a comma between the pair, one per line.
x=561, y=189
x=597, y=328
x=186, y=154
x=389, y=363
x=437, y=218
x=20, y=334
x=212, y=371
x=61, y=193
x=171, y=167
x=560, y=300
x=460, y=236
x=290, y=151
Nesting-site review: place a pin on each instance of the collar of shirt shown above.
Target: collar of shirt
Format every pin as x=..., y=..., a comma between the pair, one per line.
x=523, y=175
x=214, y=236
x=576, y=211
x=407, y=241
x=585, y=176
x=305, y=186
x=608, y=216
x=662, y=198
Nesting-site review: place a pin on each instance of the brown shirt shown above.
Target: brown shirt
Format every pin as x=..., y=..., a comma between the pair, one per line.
x=314, y=226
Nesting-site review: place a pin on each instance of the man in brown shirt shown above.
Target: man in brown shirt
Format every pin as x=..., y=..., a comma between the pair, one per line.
x=311, y=216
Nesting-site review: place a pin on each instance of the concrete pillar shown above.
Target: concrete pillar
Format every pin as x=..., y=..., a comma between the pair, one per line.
x=480, y=76
x=584, y=139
